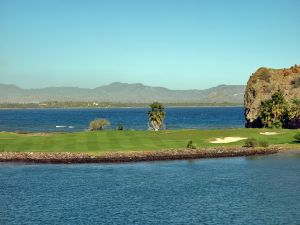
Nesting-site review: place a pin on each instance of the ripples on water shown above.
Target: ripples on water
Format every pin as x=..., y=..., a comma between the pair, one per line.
x=132, y=118
x=252, y=190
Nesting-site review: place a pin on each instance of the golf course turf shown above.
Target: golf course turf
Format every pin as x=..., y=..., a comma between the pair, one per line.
x=98, y=142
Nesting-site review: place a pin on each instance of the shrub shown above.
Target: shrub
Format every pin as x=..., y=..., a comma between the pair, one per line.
x=98, y=124
x=264, y=74
x=120, y=127
x=296, y=82
x=295, y=70
x=297, y=136
x=190, y=145
x=286, y=72
x=263, y=144
x=251, y=143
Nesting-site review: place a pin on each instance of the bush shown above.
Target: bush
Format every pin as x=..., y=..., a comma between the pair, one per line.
x=252, y=143
x=264, y=74
x=190, y=145
x=296, y=82
x=263, y=144
x=297, y=136
x=120, y=127
x=98, y=124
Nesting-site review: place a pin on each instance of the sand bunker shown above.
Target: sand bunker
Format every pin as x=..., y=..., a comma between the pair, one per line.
x=268, y=133
x=227, y=140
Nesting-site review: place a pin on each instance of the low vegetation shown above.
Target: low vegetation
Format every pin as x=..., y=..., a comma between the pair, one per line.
x=252, y=143
x=297, y=137
x=120, y=127
x=265, y=75
x=191, y=145
x=296, y=82
x=98, y=124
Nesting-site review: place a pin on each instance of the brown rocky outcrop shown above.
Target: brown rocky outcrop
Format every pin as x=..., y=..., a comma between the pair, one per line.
x=264, y=83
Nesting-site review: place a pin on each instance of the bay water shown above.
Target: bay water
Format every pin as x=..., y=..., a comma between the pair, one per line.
x=243, y=190
x=70, y=120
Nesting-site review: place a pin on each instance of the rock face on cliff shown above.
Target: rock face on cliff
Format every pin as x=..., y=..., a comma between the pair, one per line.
x=264, y=83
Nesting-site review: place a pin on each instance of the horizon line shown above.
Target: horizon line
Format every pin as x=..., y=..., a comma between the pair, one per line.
x=117, y=82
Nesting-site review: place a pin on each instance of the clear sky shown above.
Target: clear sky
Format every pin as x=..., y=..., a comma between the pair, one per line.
x=179, y=44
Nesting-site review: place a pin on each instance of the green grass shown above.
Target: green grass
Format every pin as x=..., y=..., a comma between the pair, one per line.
x=105, y=141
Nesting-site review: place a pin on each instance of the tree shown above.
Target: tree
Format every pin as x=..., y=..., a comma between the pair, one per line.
x=294, y=114
x=294, y=109
x=98, y=124
x=156, y=116
x=273, y=112
x=265, y=112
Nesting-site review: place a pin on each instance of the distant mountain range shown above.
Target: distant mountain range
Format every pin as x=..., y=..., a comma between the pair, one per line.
x=122, y=93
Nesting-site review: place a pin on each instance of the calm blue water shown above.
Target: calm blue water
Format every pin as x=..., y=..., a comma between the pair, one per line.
x=251, y=190
x=131, y=118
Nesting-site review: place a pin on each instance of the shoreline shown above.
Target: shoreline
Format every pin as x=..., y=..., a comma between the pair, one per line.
x=121, y=157
x=125, y=107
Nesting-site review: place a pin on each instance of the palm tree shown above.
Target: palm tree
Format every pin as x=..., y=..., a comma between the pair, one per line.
x=266, y=114
x=273, y=111
x=294, y=114
x=156, y=116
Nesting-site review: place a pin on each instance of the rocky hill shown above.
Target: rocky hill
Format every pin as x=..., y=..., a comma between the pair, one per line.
x=122, y=93
x=264, y=83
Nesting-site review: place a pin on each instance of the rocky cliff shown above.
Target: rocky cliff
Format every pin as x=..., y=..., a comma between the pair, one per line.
x=264, y=83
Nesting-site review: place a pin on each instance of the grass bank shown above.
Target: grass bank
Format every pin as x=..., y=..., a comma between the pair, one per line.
x=101, y=142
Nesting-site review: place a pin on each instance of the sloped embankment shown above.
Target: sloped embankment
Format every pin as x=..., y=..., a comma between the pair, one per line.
x=115, y=157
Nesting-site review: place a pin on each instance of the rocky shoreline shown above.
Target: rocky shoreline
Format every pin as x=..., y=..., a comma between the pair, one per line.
x=118, y=157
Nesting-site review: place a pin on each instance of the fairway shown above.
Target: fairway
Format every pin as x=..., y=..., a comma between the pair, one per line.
x=122, y=141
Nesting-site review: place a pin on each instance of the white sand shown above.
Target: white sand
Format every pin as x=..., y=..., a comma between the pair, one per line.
x=268, y=133
x=227, y=140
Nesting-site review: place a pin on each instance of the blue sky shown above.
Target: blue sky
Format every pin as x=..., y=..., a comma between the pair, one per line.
x=176, y=44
